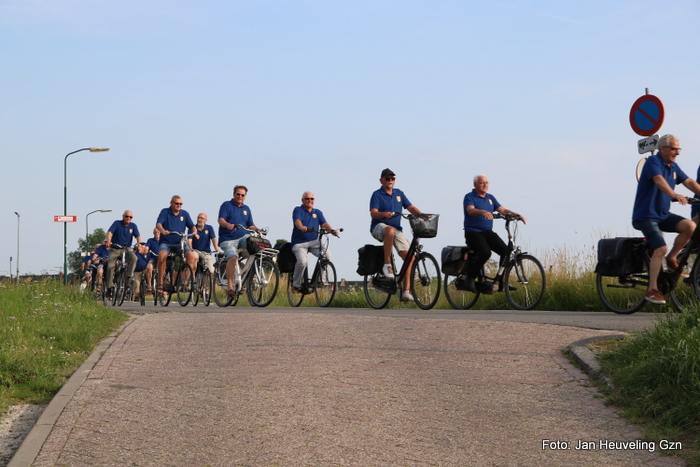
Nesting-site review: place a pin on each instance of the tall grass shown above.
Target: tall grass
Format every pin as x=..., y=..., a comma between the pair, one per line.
x=46, y=332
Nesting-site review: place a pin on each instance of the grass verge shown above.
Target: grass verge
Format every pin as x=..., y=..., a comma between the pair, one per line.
x=657, y=382
x=46, y=332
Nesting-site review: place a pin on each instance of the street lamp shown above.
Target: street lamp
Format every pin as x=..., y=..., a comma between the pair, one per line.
x=87, y=249
x=65, y=209
x=17, y=246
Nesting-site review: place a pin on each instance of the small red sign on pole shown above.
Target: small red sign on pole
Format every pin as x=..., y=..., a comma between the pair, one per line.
x=65, y=218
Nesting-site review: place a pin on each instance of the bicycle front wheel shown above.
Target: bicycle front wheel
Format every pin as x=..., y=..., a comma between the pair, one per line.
x=457, y=294
x=524, y=282
x=219, y=285
x=262, y=287
x=425, y=281
x=325, y=284
x=166, y=294
x=376, y=297
x=184, y=284
x=119, y=286
x=205, y=287
x=294, y=299
x=143, y=285
x=195, y=287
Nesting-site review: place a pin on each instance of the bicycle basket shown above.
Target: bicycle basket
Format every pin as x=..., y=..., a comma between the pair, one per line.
x=255, y=244
x=425, y=225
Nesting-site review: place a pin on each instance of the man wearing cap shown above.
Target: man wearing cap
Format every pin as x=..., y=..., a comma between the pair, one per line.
x=386, y=228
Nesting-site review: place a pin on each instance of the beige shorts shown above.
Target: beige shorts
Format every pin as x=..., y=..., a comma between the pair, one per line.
x=400, y=241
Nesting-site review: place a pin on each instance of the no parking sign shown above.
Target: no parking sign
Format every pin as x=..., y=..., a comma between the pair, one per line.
x=647, y=115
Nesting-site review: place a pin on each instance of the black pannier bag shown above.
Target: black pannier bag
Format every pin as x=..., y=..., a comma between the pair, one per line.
x=370, y=259
x=453, y=260
x=255, y=244
x=617, y=256
x=285, y=258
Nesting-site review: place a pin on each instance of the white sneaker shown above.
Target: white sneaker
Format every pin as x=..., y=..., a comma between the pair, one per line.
x=388, y=271
x=406, y=296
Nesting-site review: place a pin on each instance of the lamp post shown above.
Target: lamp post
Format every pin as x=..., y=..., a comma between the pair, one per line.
x=17, y=263
x=65, y=209
x=87, y=249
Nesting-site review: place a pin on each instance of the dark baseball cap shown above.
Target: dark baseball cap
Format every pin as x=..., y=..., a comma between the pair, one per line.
x=387, y=172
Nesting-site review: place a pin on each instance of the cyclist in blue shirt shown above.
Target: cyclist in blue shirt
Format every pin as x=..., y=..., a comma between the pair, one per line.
x=152, y=249
x=479, y=206
x=232, y=213
x=170, y=220
x=122, y=233
x=652, y=204
x=387, y=229
x=201, y=242
x=303, y=242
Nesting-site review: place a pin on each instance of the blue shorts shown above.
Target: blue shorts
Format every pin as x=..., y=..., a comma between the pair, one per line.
x=172, y=247
x=652, y=230
x=231, y=247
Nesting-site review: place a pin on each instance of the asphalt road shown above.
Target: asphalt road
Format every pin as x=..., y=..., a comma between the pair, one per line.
x=591, y=320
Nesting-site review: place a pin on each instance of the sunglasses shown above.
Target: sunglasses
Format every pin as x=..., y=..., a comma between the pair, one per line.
x=177, y=204
x=388, y=179
x=240, y=194
x=309, y=199
x=128, y=217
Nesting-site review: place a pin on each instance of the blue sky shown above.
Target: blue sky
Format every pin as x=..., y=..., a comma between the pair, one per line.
x=193, y=98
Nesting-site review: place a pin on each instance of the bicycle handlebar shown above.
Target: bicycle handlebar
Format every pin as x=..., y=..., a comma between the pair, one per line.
x=263, y=231
x=322, y=231
x=508, y=217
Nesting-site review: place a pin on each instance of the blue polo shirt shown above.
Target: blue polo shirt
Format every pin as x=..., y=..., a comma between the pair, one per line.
x=313, y=219
x=154, y=247
x=141, y=262
x=487, y=203
x=204, y=241
x=650, y=204
x=173, y=223
x=234, y=215
x=123, y=234
x=385, y=202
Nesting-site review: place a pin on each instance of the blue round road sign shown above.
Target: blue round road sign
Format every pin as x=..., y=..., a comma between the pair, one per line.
x=647, y=115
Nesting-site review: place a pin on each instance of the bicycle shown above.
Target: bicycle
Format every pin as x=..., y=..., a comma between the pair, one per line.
x=120, y=289
x=202, y=285
x=426, y=283
x=324, y=281
x=177, y=269
x=522, y=276
x=259, y=273
x=622, y=278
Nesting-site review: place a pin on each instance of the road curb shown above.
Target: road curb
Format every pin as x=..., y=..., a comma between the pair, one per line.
x=32, y=444
x=586, y=358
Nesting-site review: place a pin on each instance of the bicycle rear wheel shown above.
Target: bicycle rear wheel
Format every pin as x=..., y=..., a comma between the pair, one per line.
x=376, y=297
x=457, y=294
x=524, y=282
x=294, y=299
x=262, y=287
x=624, y=294
x=426, y=281
x=184, y=283
x=325, y=284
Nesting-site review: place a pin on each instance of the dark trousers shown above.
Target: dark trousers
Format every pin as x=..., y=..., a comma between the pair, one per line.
x=483, y=243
